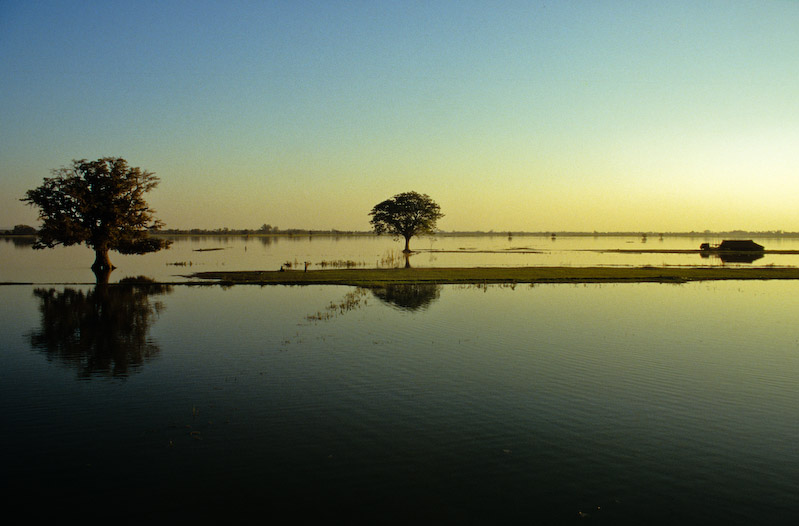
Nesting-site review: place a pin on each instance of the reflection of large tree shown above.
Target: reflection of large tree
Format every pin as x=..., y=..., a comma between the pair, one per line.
x=408, y=296
x=101, y=331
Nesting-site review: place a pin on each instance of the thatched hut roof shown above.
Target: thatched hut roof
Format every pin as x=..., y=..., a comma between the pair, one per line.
x=740, y=245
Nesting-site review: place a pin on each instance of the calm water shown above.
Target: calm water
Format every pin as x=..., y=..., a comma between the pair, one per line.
x=19, y=263
x=622, y=404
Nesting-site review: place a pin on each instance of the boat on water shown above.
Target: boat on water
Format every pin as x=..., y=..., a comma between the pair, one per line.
x=734, y=245
x=734, y=250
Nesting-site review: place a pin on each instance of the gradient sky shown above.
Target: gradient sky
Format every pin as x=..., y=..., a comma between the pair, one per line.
x=559, y=115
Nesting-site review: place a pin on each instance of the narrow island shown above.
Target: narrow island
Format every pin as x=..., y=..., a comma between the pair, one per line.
x=494, y=275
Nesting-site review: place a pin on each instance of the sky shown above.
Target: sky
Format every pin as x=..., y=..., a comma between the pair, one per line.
x=660, y=116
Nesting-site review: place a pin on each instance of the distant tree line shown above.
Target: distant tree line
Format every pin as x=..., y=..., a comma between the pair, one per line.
x=270, y=231
x=21, y=230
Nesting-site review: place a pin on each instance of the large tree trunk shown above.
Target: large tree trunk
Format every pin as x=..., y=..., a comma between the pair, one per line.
x=102, y=266
x=407, y=244
x=101, y=276
x=101, y=260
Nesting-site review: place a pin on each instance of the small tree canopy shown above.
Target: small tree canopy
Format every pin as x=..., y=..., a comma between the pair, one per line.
x=99, y=203
x=23, y=230
x=407, y=215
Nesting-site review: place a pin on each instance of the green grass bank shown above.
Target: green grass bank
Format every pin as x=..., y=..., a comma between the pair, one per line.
x=479, y=275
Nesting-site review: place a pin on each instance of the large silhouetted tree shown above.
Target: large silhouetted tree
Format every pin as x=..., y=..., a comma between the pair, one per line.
x=99, y=203
x=407, y=215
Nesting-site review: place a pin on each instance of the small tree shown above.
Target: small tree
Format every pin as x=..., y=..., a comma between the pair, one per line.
x=23, y=230
x=407, y=215
x=99, y=203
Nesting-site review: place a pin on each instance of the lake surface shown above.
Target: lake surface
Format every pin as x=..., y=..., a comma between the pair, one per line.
x=548, y=404
x=19, y=263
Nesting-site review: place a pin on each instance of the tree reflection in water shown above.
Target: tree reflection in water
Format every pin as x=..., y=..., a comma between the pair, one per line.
x=102, y=331
x=24, y=242
x=408, y=296
x=405, y=296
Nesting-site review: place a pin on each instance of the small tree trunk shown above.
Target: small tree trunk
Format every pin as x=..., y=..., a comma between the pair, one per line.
x=407, y=244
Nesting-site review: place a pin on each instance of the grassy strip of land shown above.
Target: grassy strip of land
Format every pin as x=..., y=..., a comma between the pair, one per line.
x=374, y=277
x=686, y=251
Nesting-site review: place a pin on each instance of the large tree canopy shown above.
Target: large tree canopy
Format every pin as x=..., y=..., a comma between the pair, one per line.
x=99, y=203
x=407, y=215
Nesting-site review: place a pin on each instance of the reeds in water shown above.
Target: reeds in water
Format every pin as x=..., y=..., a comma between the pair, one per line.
x=391, y=259
x=351, y=301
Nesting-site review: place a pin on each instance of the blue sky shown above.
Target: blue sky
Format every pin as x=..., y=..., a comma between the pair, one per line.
x=581, y=115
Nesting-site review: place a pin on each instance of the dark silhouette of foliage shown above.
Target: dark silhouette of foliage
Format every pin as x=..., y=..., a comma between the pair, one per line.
x=99, y=203
x=23, y=230
x=407, y=215
x=102, y=331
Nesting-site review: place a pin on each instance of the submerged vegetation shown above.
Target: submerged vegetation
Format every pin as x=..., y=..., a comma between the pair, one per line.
x=341, y=263
x=351, y=301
